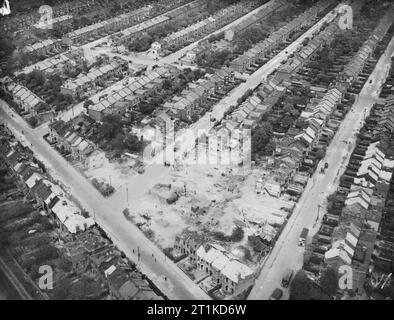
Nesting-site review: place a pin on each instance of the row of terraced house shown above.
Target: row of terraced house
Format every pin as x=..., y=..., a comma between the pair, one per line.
x=132, y=92
x=263, y=48
x=225, y=271
x=208, y=25
x=27, y=20
x=72, y=138
x=190, y=103
x=160, y=21
x=365, y=186
x=79, y=86
x=47, y=194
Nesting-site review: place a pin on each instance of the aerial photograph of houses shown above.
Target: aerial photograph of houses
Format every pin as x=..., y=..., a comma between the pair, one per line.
x=212, y=150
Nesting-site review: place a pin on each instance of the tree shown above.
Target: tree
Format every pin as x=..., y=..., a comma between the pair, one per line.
x=320, y=154
x=45, y=253
x=167, y=84
x=256, y=243
x=260, y=138
x=32, y=121
x=88, y=103
x=68, y=98
x=111, y=126
x=132, y=143
x=142, y=43
x=7, y=47
x=85, y=288
x=38, y=76
x=146, y=108
x=237, y=234
x=287, y=121
x=65, y=265
x=117, y=143
x=61, y=289
x=329, y=281
x=269, y=147
x=300, y=287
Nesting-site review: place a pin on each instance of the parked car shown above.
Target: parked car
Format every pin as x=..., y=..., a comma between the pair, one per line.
x=287, y=278
x=277, y=294
x=303, y=236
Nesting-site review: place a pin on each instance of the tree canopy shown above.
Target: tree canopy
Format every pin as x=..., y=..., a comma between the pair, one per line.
x=111, y=126
x=261, y=140
x=329, y=281
x=300, y=287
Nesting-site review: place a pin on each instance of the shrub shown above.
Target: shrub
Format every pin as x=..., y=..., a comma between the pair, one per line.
x=149, y=233
x=329, y=281
x=256, y=243
x=236, y=235
x=32, y=121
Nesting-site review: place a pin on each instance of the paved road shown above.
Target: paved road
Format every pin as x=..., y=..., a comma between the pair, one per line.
x=7, y=291
x=14, y=282
x=286, y=253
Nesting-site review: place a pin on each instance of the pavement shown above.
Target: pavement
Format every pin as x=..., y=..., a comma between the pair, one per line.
x=287, y=253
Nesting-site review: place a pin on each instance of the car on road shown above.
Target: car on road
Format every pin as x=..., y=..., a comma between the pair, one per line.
x=303, y=236
x=277, y=294
x=287, y=277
